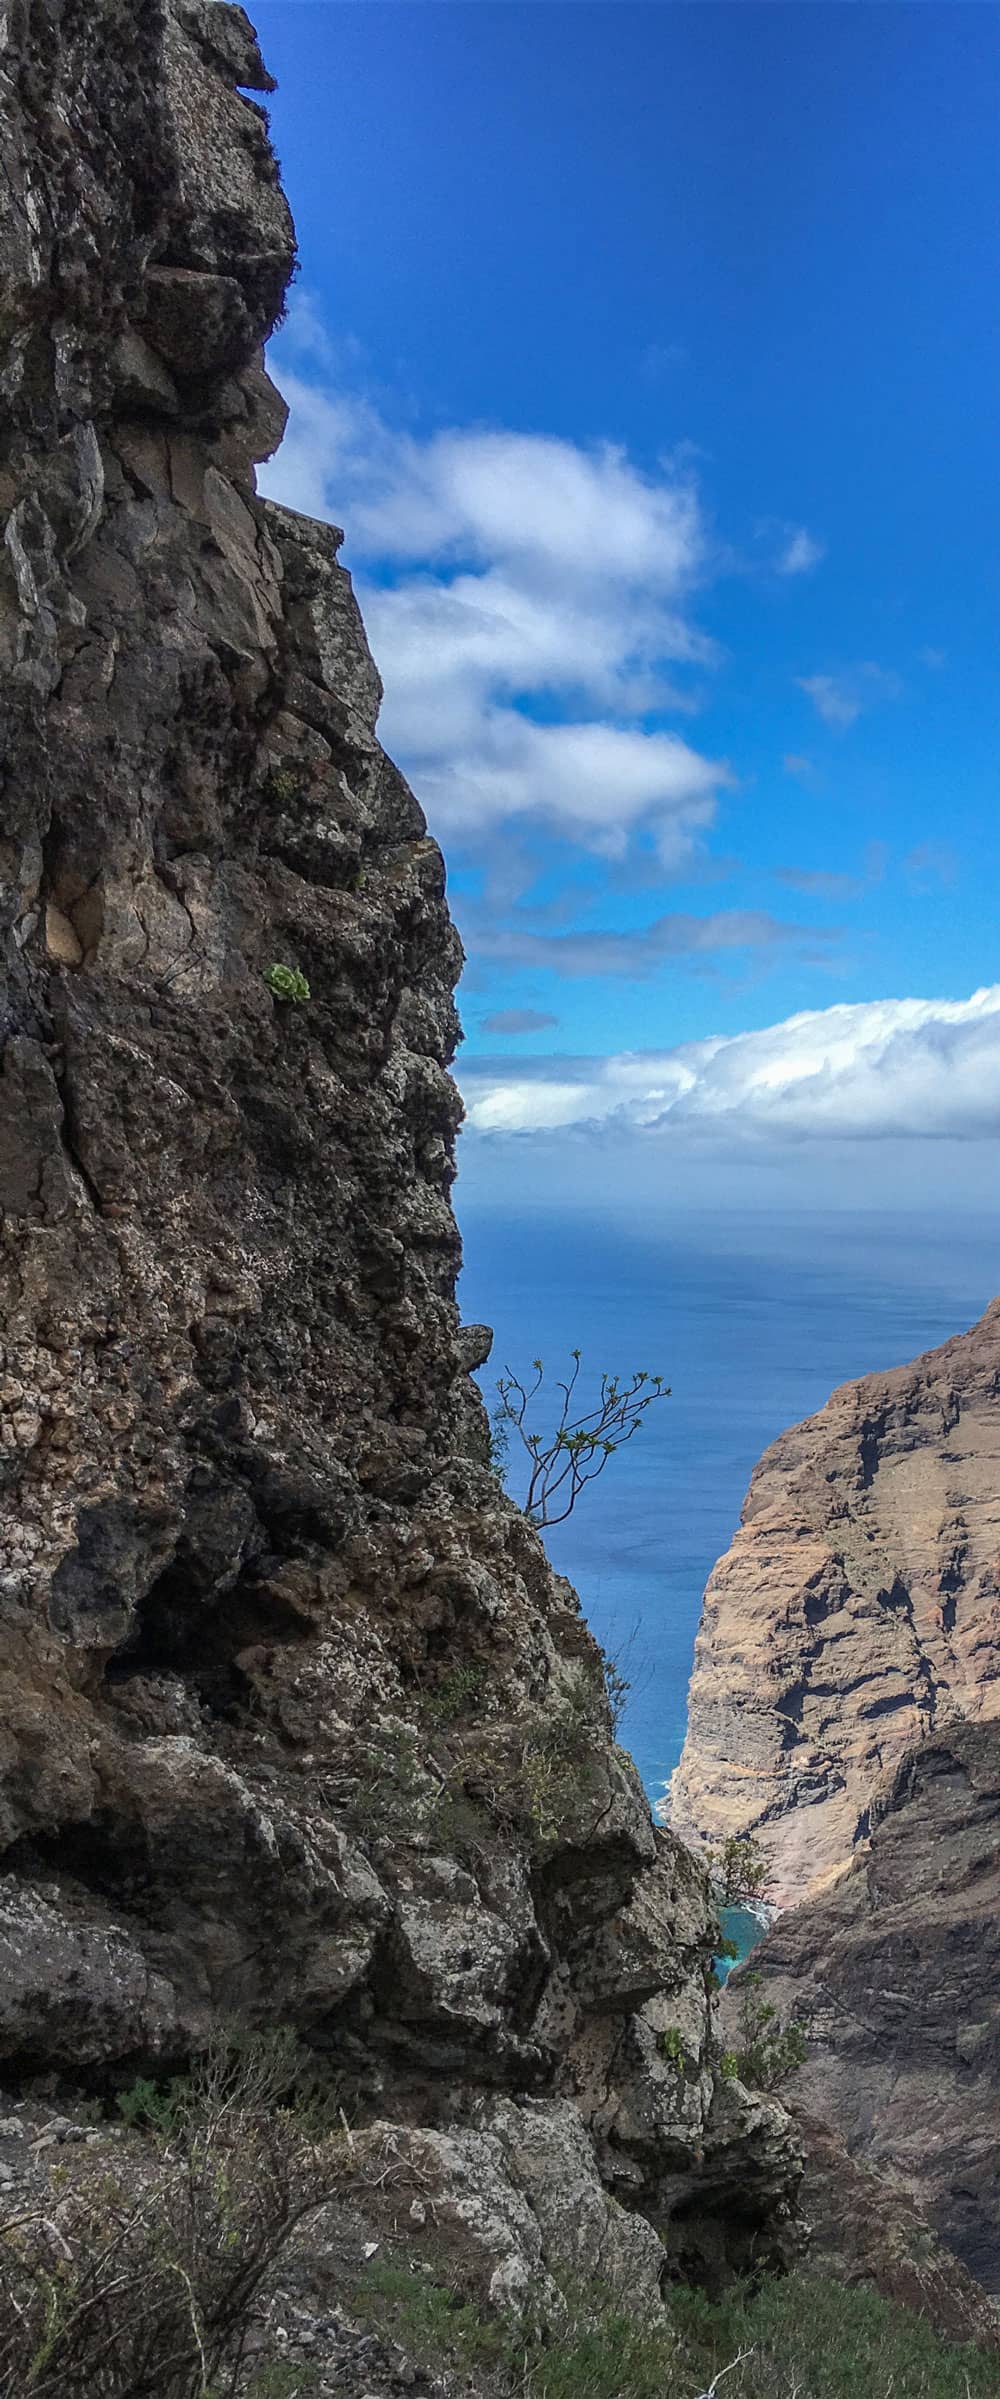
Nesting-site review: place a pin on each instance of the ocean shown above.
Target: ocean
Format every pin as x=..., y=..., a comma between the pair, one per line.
x=752, y=1324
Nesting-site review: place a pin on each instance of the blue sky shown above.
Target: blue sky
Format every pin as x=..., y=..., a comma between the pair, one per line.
x=649, y=355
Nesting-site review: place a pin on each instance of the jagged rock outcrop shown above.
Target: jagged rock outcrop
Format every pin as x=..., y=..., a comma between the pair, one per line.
x=296, y=1720
x=857, y=1609
x=895, y=1973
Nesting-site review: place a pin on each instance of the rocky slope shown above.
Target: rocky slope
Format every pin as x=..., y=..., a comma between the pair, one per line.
x=895, y=1974
x=296, y=1720
x=857, y=1609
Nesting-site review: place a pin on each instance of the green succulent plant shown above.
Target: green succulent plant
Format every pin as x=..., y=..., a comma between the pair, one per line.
x=286, y=983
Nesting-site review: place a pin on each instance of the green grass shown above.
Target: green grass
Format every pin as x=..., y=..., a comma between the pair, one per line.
x=436, y=2324
x=823, y=2341
x=804, y=2338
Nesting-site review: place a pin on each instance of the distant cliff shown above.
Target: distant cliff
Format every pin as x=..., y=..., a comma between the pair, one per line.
x=896, y=1975
x=857, y=1609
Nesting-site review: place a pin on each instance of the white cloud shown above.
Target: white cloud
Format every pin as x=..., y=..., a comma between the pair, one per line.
x=528, y=600
x=841, y=699
x=594, y=782
x=881, y=1069
x=801, y=552
x=545, y=502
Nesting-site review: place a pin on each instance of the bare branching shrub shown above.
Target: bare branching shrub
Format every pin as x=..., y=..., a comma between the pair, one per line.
x=143, y=2278
x=577, y=1448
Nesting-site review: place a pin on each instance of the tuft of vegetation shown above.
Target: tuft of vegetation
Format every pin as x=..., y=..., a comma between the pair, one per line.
x=558, y=1757
x=287, y=983
x=284, y=787
x=617, y=1690
x=269, y=2073
x=766, y=2052
x=461, y=1825
x=562, y=1462
x=499, y=1444
x=434, y=2323
x=149, y=2284
x=671, y=2046
x=396, y=1790
x=457, y=1694
x=619, y=1670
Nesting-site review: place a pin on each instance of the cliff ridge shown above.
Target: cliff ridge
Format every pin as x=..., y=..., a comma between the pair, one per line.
x=297, y=1722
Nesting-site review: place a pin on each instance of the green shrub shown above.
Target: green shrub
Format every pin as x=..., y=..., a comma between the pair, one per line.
x=765, y=2052
x=457, y=1693
x=607, y=2356
x=617, y=1691
x=558, y=1756
x=286, y=983
x=810, y=2336
x=150, y=2106
x=671, y=2046
x=739, y=1871
x=461, y=1825
x=803, y=2337
x=394, y=1790
x=284, y=787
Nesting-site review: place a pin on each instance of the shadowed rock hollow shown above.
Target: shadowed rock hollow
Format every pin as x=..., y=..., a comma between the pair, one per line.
x=296, y=1720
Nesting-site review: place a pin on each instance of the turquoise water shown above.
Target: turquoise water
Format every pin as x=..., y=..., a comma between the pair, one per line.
x=744, y=1929
x=753, y=1327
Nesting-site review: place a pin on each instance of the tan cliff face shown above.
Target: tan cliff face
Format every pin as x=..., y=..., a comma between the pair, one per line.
x=295, y=1719
x=858, y=1608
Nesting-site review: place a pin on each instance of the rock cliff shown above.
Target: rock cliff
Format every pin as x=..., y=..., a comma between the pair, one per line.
x=857, y=1609
x=296, y=1720
x=895, y=1973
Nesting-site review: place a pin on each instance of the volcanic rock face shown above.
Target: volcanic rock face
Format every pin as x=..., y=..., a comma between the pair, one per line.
x=865, y=2227
x=858, y=1608
x=296, y=1720
x=896, y=1974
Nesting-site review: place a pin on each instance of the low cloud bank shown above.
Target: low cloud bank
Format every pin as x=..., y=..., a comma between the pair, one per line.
x=881, y=1069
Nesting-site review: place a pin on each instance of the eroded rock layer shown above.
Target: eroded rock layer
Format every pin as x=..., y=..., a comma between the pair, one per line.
x=857, y=1609
x=295, y=1720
